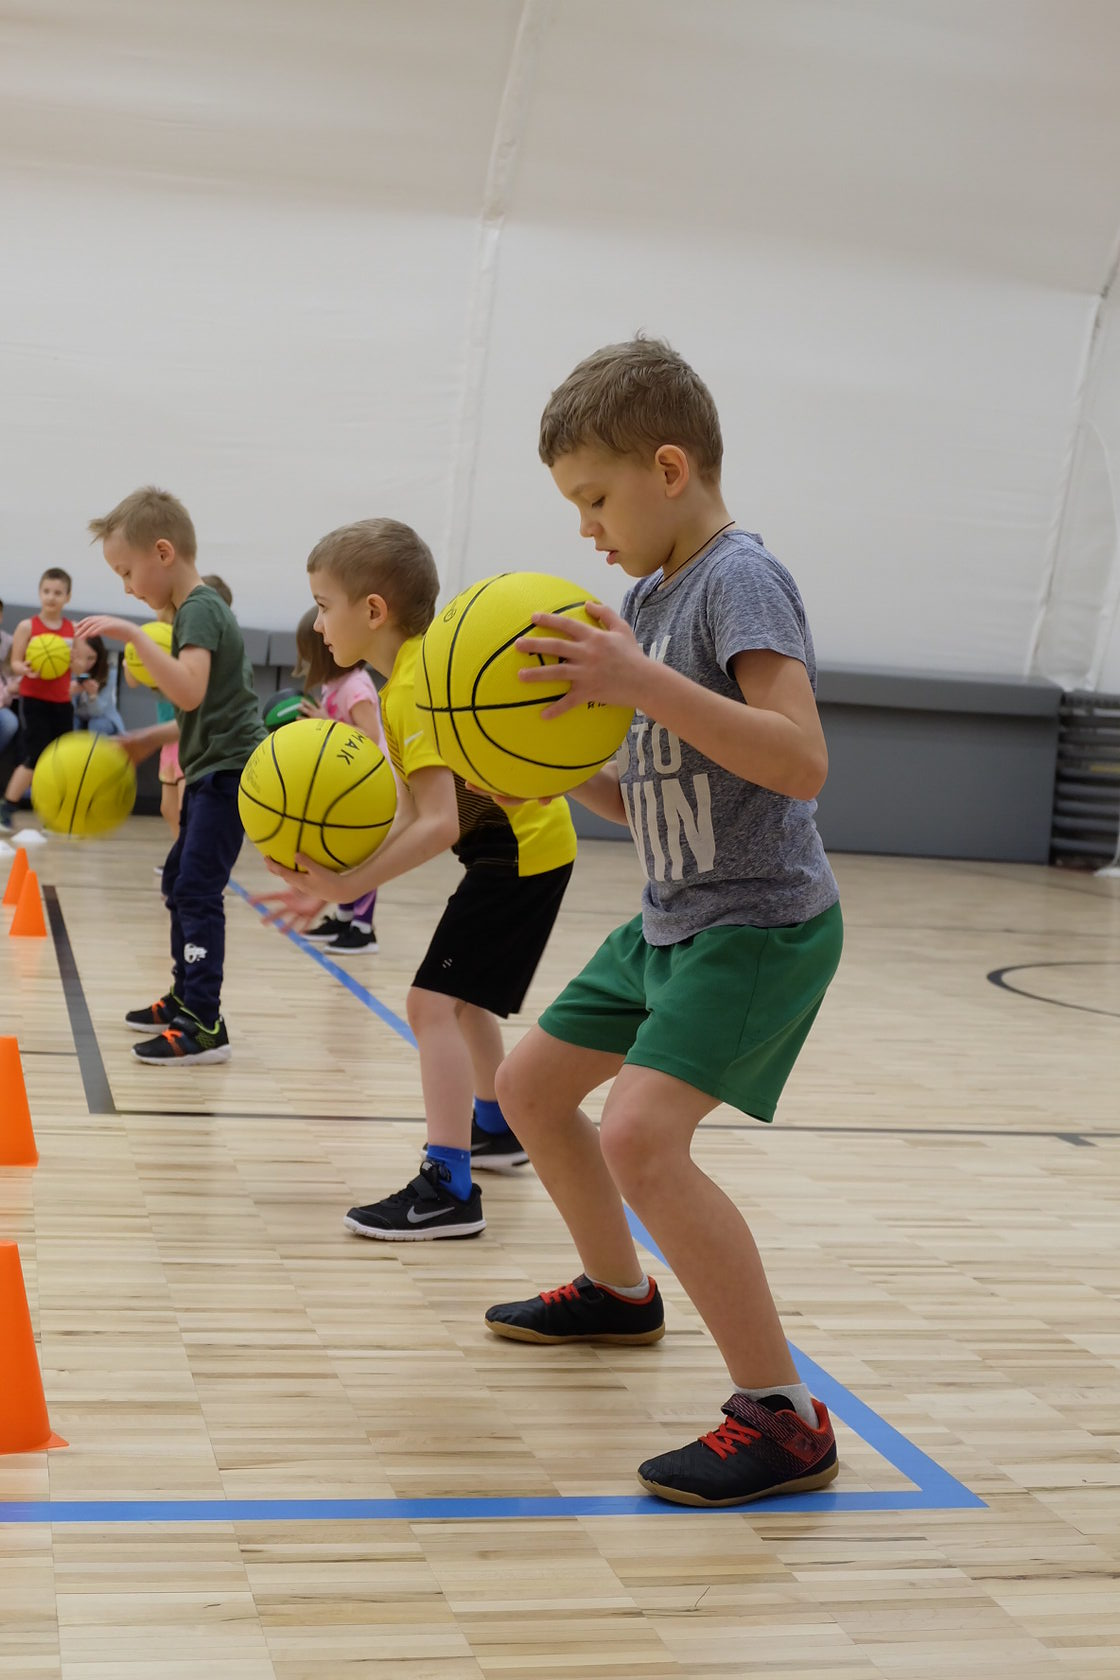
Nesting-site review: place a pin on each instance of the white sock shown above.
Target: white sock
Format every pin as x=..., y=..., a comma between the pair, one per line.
x=632, y=1292
x=796, y=1393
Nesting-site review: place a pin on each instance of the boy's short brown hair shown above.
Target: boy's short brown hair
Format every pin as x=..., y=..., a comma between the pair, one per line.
x=147, y=516
x=55, y=574
x=382, y=557
x=630, y=399
x=219, y=586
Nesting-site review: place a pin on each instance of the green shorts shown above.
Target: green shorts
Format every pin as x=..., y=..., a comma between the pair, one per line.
x=727, y=1011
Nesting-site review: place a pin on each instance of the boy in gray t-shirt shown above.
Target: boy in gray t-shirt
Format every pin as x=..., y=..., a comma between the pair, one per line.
x=706, y=996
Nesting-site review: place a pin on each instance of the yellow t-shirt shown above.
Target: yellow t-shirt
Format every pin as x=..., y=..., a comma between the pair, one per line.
x=525, y=841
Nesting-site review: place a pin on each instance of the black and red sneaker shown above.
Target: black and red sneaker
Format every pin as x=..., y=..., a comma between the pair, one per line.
x=581, y=1311
x=762, y=1448
x=154, y=1017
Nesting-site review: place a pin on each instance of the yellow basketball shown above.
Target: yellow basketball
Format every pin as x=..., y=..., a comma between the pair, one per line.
x=483, y=721
x=161, y=635
x=321, y=788
x=83, y=784
x=48, y=655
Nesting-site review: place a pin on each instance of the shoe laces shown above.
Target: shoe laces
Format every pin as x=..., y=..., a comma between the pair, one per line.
x=566, y=1292
x=726, y=1440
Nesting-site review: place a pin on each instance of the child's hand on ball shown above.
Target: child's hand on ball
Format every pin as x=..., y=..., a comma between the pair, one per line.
x=602, y=666
x=104, y=624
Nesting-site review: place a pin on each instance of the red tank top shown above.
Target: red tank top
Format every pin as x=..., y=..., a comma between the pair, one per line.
x=58, y=689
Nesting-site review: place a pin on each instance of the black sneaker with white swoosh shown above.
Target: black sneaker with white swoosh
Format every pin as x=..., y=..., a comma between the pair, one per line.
x=422, y=1212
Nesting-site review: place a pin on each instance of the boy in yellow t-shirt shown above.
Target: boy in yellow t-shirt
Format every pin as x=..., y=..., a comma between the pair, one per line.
x=375, y=584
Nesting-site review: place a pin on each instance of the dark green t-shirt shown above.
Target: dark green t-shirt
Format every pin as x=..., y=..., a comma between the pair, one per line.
x=222, y=732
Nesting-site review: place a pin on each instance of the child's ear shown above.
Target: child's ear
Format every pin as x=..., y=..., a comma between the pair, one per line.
x=673, y=465
x=378, y=610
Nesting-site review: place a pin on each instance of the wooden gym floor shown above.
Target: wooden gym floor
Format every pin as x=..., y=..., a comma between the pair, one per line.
x=265, y=1413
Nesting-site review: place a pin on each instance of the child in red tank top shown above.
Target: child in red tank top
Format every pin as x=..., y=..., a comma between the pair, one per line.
x=46, y=711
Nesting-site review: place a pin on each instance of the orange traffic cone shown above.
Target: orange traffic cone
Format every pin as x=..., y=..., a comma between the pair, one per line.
x=28, y=920
x=24, y=1425
x=17, y=1140
x=15, y=877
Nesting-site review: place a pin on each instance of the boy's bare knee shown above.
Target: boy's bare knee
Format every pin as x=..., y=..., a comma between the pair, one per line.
x=428, y=1009
x=514, y=1082
x=638, y=1152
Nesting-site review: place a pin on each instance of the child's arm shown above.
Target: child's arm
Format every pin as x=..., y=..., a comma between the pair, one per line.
x=600, y=793
x=431, y=830
x=181, y=678
x=367, y=715
x=140, y=744
x=775, y=740
x=21, y=635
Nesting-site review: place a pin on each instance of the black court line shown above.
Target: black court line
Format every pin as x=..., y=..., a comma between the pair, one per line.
x=1081, y=1140
x=99, y=1097
x=997, y=978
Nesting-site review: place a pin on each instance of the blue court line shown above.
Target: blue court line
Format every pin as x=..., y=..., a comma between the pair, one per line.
x=567, y=1507
x=937, y=1490
x=934, y=1488
x=372, y=1003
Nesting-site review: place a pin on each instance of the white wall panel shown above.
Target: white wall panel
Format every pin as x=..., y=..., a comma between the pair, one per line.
x=243, y=257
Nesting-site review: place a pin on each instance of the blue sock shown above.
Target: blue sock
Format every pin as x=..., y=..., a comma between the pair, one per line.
x=457, y=1163
x=489, y=1117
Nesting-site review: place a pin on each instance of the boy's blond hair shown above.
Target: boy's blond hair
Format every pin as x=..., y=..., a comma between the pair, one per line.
x=147, y=516
x=630, y=399
x=382, y=557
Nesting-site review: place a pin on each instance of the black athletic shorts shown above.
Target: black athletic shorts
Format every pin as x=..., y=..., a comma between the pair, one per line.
x=43, y=722
x=491, y=936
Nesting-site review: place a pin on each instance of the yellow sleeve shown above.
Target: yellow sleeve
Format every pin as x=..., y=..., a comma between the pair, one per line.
x=409, y=747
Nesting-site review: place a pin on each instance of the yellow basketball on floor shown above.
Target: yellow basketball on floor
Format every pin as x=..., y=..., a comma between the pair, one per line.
x=483, y=721
x=83, y=784
x=48, y=655
x=321, y=788
x=161, y=635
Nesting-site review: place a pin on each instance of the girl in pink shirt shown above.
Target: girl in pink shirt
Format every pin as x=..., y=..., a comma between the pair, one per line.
x=350, y=697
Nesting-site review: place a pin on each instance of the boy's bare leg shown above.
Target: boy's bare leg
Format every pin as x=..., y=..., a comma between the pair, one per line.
x=446, y=1073
x=169, y=805
x=483, y=1036
x=18, y=783
x=540, y=1086
x=646, y=1137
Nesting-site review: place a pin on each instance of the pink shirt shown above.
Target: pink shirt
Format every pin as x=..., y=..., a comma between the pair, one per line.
x=342, y=694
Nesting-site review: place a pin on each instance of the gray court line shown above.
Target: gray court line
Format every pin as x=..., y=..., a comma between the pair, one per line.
x=99, y=1096
x=1081, y=1139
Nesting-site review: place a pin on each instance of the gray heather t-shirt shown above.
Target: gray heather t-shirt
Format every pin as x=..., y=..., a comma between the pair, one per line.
x=718, y=851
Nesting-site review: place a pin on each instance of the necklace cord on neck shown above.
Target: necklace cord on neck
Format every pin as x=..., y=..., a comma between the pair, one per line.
x=665, y=576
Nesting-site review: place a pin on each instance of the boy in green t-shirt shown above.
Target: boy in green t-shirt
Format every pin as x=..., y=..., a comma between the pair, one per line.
x=149, y=541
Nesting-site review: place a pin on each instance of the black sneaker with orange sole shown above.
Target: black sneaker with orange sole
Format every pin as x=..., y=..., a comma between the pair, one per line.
x=581, y=1311
x=762, y=1448
x=186, y=1042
